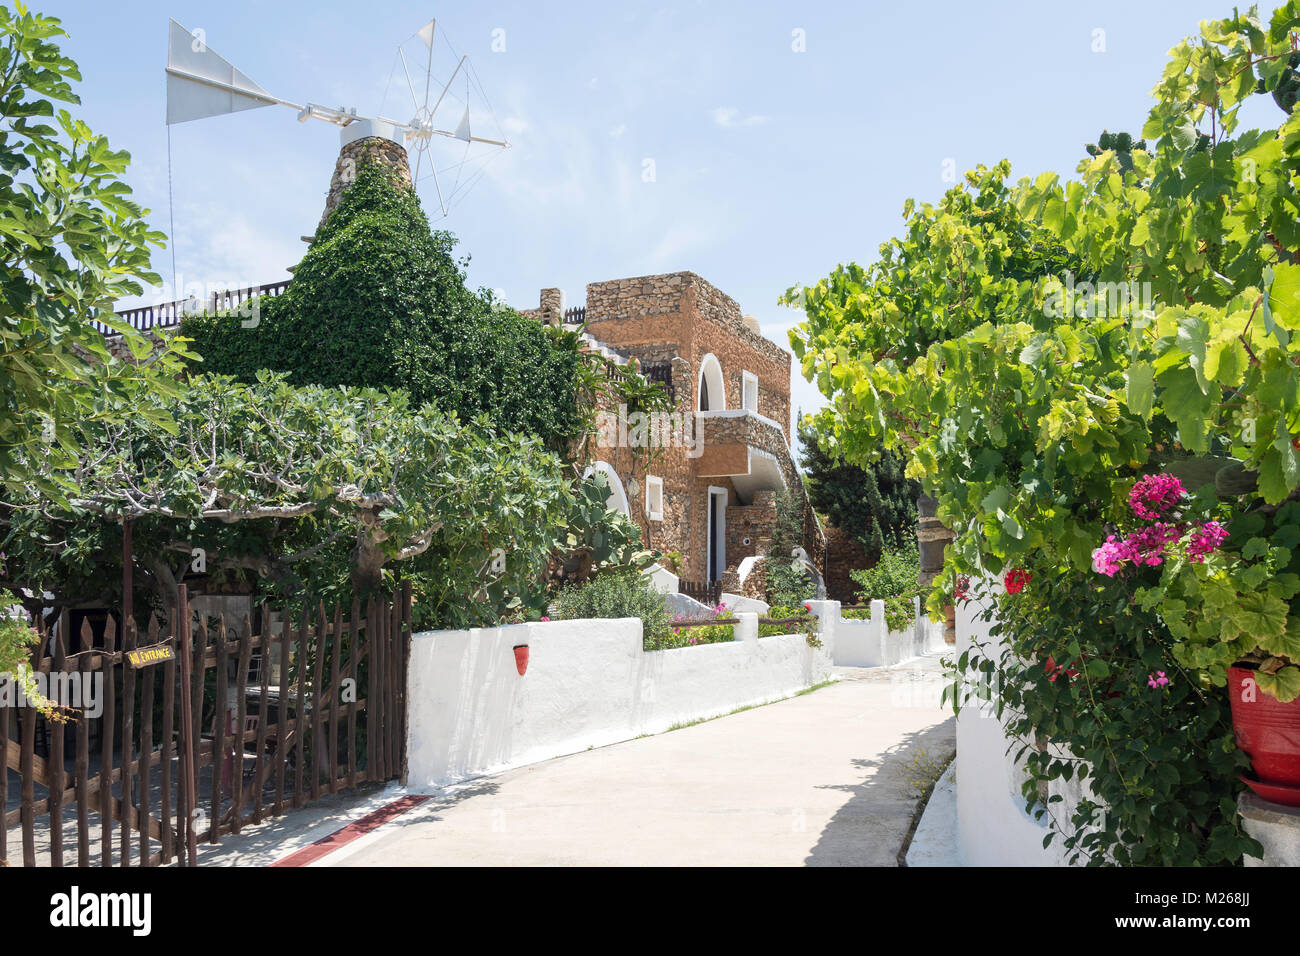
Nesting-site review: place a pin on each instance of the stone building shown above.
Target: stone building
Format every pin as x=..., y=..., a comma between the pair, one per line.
x=700, y=480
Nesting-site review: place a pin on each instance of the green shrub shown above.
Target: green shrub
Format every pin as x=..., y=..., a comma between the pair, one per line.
x=788, y=582
x=892, y=580
x=618, y=594
x=894, y=575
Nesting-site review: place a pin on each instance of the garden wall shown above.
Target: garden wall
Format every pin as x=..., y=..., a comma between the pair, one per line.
x=993, y=828
x=870, y=643
x=588, y=684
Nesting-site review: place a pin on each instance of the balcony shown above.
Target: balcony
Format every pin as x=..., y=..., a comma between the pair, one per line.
x=747, y=448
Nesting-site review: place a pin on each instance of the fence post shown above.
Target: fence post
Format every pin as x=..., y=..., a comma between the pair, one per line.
x=189, y=748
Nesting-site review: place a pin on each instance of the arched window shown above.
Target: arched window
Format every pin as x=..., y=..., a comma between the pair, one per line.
x=712, y=393
x=617, y=500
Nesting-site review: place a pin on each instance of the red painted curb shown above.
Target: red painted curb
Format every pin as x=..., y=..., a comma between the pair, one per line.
x=353, y=831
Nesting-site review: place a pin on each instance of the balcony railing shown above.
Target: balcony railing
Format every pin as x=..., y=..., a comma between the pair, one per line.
x=170, y=314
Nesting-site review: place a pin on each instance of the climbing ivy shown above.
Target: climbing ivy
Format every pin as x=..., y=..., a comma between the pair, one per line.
x=380, y=300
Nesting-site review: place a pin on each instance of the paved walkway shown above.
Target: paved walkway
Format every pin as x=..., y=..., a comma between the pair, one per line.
x=824, y=779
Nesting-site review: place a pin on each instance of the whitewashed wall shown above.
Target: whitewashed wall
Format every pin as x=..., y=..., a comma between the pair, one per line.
x=870, y=643
x=993, y=828
x=589, y=683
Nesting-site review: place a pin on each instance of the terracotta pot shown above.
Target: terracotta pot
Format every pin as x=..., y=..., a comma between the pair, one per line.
x=521, y=658
x=1268, y=731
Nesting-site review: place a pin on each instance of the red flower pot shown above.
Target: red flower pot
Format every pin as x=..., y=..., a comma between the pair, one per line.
x=1268, y=731
x=521, y=658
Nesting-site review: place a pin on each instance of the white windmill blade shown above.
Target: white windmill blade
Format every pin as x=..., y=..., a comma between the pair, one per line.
x=426, y=33
x=202, y=83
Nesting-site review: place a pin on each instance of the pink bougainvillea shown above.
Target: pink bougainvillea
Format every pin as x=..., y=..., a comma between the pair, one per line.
x=1154, y=495
x=1157, y=680
x=1109, y=558
x=1151, y=498
x=1205, y=540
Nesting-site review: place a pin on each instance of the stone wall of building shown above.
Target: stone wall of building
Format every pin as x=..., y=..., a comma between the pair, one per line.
x=681, y=318
x=551, y=310
x=843, y=554
x=656, y=317
x=358, y=153
x=749, y=527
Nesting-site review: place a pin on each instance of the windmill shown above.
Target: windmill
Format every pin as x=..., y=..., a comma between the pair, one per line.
x=201, y=83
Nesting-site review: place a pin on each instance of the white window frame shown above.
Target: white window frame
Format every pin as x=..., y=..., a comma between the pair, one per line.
x=654, y=486
x=711, y=367
x=746, y=380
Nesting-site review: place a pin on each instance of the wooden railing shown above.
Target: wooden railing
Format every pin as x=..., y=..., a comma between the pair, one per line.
x=708, y=593
x=170, y=314
x=576, y=315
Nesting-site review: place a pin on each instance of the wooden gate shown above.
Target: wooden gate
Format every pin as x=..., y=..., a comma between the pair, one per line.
x=188, y=747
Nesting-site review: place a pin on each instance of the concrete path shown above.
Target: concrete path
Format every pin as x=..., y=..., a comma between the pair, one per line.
x=824, y=779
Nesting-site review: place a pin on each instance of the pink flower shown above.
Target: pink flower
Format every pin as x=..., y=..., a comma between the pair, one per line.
x=1205, y=540
x=1157, y=680
x=1148, y=545
x=1153, y=495
x=545, y=618
x=1109, y=558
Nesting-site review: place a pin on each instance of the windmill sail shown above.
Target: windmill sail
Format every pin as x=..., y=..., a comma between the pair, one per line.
x=462, y=130
x=201, y=83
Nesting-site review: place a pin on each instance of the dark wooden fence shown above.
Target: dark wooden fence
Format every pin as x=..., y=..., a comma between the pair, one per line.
x=170, y=314
x=244, y=727
x=709, y=592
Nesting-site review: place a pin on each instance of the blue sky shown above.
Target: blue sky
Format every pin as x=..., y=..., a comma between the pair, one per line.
x=771, y=164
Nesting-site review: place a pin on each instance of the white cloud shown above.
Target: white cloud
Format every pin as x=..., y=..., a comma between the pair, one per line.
x=728, y=117
x=618, y=130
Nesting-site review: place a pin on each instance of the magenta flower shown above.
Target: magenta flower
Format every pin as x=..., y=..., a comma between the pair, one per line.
x=1148, y=545
x=1154, y=495
x=1157, y=680
x=1206, y=540
x=545, y=618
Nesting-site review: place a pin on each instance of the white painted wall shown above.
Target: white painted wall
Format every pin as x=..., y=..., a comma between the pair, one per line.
x=993, y=828
x=661, y=579
x=870, y=643
x=589, y=683
x=737, y=602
